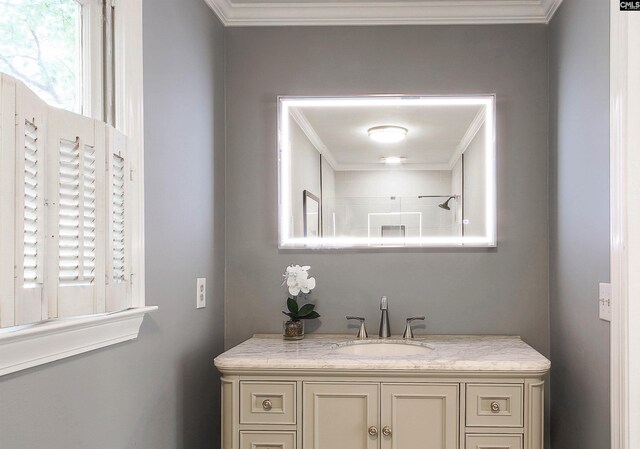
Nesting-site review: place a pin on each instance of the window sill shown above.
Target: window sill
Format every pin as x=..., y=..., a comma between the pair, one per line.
x=23, y=347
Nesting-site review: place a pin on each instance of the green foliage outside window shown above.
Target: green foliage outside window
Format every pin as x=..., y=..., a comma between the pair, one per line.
x=40, y=44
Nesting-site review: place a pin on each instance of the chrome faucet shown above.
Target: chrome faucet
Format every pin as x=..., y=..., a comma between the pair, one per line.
x=408, y=332
x=362, y=333
x=385, y=330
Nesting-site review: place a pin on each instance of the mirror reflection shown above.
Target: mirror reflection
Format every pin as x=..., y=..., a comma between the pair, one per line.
x=386, y=171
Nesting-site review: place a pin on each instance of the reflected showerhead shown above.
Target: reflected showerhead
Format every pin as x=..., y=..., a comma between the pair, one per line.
x=445, y=205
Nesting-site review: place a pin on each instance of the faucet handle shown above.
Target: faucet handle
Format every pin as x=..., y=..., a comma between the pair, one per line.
x=362, y=333
x=408, y=332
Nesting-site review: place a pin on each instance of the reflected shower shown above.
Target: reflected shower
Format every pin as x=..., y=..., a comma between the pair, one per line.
x=444, y=205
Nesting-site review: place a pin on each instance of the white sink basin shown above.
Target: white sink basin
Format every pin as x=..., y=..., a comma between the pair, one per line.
x=381, y=348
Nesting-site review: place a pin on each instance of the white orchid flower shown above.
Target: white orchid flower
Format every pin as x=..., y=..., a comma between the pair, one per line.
x=308, y=285
x=298, y=280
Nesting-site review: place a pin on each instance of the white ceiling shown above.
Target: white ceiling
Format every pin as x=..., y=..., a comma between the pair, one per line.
x=436, y=134
x=381, y=12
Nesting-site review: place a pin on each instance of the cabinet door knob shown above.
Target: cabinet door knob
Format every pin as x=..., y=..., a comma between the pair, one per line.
x=495, y=407
x=373, y=431
x=386, y=431
x=267, y=405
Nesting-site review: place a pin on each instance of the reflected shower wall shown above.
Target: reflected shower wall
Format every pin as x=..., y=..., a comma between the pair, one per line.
x=393, y=216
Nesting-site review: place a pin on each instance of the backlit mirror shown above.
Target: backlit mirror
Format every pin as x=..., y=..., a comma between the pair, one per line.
x=386, y=171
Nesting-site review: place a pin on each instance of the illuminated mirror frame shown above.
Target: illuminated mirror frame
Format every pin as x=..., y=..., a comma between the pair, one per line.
x=288, y=241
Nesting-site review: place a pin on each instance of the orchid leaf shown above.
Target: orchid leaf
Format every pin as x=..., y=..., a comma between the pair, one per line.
x=306, y=309
x=292, y=305
x=310, y=316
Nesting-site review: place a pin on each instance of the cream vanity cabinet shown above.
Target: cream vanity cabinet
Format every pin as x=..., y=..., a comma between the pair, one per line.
x=358, y=404
x=373, y=415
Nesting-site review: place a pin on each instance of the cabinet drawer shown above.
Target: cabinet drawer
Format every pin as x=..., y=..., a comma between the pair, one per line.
x=494, y=405
x=494, y=442
x=267, y=440
x=267, y=403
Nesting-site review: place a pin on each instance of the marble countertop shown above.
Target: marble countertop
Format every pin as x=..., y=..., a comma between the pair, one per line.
x=449, y=353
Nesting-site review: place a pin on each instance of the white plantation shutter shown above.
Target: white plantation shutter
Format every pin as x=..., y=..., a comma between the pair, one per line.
x=30, y=189
x=119, y=219
x=66, y=212
x=7, y=199
x=76, y=264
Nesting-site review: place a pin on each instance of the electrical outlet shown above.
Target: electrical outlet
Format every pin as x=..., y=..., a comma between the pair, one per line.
x=201, y=293
x=605, y=301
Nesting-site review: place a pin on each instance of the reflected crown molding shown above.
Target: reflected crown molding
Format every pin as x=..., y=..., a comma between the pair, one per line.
x=466, y=140
x=316, y=141
x=313, y=137
x=425, y=12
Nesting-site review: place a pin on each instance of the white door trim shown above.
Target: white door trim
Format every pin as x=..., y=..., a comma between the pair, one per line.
x=625, y=223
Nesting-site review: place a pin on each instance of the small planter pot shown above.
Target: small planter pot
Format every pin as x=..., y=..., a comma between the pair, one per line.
x=293, y=330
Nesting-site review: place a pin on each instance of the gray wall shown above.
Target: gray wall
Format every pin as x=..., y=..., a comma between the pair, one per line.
x=483, y=291
x=579, y=223
x=160, y=391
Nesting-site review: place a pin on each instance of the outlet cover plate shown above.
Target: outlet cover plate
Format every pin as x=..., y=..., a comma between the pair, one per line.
x=201, y=293
x=604, y=301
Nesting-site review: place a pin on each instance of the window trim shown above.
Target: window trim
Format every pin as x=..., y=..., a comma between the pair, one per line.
x=31, y=345
x=92, y=68
x=47, y=341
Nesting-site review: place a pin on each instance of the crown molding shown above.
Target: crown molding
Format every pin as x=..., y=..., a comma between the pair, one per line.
x=425, y=12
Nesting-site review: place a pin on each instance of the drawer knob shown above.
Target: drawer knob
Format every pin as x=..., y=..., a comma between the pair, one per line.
x=267, y=405
x=386, y=431
x=373, y=431
x=495, y=407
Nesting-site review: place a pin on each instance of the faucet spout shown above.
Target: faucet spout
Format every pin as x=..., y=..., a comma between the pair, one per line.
x=385, y=330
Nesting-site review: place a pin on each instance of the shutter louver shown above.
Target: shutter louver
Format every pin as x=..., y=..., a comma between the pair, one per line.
x=119, y=235
x=89, y=215
x=77, y=214
x=118, y=219
x=31, y=239
x=69, y=213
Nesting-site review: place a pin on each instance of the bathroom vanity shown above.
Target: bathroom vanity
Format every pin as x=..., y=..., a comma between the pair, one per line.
x=335, y=392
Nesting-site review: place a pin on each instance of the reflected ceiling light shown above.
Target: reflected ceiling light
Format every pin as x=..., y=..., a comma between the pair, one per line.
x=387, y=133
x=393, y=160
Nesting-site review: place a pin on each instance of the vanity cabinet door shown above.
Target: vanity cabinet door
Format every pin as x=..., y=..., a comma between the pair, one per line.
x=419, y=416
x=340, y=416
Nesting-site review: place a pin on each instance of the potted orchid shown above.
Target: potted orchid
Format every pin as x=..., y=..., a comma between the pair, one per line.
x=299, y=285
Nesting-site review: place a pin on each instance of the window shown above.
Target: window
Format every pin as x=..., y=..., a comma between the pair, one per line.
x=71, y=228
x=56, y=48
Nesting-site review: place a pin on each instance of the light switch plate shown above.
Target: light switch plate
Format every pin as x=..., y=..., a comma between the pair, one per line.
x=604, y=300
x=201, y=293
